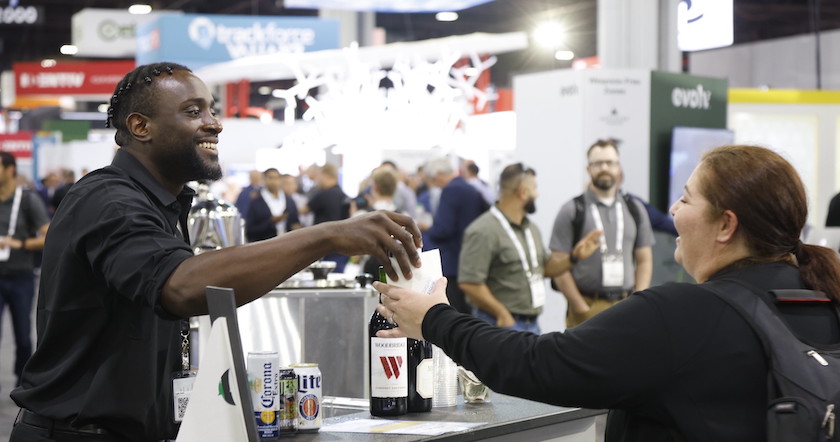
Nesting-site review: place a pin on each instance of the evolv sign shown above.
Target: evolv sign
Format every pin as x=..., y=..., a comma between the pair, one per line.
x=697, y=98
x=86, y=78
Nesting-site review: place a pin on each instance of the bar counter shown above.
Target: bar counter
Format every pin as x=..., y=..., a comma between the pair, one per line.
x=503, y=416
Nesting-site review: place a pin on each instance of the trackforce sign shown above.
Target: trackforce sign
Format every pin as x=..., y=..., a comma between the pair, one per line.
x=697, y=98
x=198, y=40
x=255, y=39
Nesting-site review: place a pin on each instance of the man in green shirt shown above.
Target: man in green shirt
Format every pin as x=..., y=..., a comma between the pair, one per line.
x=503, y=262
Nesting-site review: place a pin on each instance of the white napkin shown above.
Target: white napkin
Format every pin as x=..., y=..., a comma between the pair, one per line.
x=424, y=278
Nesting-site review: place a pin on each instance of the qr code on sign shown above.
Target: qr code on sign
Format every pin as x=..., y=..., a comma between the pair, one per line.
x=182, y=408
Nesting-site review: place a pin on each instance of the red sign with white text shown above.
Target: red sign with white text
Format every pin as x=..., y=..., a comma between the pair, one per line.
x=18, y=144
x=82, y=78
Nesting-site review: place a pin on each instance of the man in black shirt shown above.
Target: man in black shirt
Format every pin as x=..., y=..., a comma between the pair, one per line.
x=119, y=277
x=329, y=203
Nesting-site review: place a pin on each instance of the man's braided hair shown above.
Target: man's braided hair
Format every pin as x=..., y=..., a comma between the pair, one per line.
x=130, y=96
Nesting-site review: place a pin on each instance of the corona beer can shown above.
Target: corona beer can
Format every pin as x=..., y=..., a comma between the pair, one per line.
x=308, y=396
x=264, y=378
x=287, y=400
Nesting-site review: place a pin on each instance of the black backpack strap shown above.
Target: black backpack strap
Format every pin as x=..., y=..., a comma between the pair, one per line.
x=634, y=212
x=577, y=221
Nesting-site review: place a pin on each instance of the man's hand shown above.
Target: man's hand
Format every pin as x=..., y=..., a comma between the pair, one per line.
x=587, y=245
x=379, y=234
x=505, y=320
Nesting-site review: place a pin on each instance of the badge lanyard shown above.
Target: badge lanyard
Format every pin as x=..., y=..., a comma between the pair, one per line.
x=528, y=237
x=619, y=224
x=535, y=281
x=6, y=252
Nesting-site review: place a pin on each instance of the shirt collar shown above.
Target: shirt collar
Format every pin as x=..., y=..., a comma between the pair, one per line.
x=135, y=169
x=592, y=198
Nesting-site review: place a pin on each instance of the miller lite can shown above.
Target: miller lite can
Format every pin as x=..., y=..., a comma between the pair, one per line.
x=308, y=396
x=264, y=379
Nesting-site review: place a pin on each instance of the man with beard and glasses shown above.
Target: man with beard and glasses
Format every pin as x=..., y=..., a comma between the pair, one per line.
x=120, y=280
x=503, y=265
x=624, y=261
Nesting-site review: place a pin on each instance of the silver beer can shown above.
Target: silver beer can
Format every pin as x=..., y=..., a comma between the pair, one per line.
x=308, y=397
x=264, y=379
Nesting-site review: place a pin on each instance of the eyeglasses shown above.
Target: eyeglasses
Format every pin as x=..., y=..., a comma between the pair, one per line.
x=600, y=164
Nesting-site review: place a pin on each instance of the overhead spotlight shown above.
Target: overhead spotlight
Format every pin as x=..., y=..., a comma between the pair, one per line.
x=264, y=90
x=102, y=108
x=564, y=55
x=446, y=16
x=139, y=9
x=549, y=34
x=48, y=63
x=69, y=49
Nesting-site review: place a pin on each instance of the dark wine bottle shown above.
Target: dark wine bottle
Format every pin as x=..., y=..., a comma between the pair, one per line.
x=420, y=376
x=388, y=367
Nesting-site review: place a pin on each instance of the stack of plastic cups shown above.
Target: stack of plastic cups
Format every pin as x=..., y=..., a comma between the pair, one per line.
x=445, y=378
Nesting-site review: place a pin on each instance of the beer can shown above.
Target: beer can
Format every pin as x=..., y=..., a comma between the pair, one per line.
x=308, y=396
x=263, y=377
x=287, y=400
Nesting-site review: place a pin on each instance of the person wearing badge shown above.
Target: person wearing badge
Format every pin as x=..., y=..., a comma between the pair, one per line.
x=503, y=265
x=624, y=261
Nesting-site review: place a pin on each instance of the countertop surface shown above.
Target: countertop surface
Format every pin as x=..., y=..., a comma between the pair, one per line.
x=502, y=415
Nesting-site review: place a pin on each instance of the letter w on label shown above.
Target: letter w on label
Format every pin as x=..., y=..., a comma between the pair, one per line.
x=392, y=365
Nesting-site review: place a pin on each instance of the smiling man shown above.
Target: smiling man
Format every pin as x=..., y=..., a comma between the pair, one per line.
x=119, y=278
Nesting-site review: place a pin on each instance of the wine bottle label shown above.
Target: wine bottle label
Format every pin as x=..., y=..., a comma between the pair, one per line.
x=425, y=379
x=388, y=367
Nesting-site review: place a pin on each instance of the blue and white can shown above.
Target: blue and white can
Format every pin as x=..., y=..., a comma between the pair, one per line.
x=264, y=381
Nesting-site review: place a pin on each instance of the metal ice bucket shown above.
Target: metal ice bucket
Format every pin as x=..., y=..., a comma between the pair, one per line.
x=214, y=224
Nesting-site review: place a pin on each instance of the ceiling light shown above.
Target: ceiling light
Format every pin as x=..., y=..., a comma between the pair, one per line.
x=139, y=9
x=264, y=90
x=446, y=16
x=564, y=55
x=102, y=108
x=48, y=63
x=69, y=49
x=549, y=34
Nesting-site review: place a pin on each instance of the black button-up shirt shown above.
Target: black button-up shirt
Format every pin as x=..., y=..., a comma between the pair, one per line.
x=106, y=348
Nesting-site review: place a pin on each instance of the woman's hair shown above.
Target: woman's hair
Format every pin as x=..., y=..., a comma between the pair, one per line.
x=765, y=193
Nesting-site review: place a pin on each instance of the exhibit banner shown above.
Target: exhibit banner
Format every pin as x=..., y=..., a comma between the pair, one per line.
x=198, y=40
x=18, y=144
x=679, y=100
x=71, y=78
x=617, y=106
x=109, y=32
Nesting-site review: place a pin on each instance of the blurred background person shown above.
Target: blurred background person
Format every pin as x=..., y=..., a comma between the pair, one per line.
x=469, y=170
x=68, y=178
x=24, y=210
x=503, y=264
x=271, y=212
x=624, y=262
x=460, y=204
x=291, y=188
x=328, y=203
x=249, y=192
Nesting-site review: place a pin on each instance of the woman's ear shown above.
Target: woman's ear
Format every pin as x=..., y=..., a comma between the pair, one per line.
x=728, y=227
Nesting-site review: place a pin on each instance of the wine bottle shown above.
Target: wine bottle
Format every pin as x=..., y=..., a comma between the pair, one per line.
x=388, y=367
x=420, y=376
